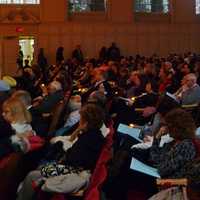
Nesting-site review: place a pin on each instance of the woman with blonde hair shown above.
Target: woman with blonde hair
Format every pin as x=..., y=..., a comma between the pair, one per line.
x=15, y=113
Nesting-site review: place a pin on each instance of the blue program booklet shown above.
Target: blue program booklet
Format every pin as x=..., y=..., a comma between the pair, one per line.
x=133, y=132
x=143, y=168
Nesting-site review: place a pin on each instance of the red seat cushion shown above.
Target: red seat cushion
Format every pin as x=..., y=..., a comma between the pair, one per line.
x=36, y=142
x=4, y=162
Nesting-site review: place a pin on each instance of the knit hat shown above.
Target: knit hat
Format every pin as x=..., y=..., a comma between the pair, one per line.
x=4, y=86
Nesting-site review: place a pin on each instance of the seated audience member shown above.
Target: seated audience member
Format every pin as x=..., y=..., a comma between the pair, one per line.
x=123, y=77
x=189, y=93
x=170, y=155
x=172, y=158
x=135, y=87
x=83, y=154
x=15, y=113
x=48, y=102
x=73, y=116
x=112, y=71
x=165, y=105
x=74, y=108
x=96, y=97
x=39, y=124
x=64, y=78
x=148, y=74
x=165, y=76
x=149, y=98
x=99, y=83
x=185, y=69
x=27, y=80
x=86, y=75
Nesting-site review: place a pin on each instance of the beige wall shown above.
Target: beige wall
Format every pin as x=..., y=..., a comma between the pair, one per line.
x=178, y=31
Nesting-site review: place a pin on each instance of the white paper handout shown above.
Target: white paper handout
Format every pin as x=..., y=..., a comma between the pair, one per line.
x=133, y=132
x=146, y=169
x=172, y=96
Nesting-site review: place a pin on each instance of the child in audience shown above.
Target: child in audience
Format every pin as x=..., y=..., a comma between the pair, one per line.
x=15, y=113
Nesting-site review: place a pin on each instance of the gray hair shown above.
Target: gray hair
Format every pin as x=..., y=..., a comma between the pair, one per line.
x=192, y=77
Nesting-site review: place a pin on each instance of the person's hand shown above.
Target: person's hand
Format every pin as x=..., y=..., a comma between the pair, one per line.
x=26, y=134
x=130, y=102
x=37, y=101
x=148, y=111
x=163, y=130
x=44, y=89
x=82, y=127
x=39, y=98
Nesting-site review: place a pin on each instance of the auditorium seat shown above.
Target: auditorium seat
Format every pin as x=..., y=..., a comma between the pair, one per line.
x=93, y=192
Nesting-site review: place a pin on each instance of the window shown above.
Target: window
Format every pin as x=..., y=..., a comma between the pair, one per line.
x=152, y=6
x=87, y=5
x=19, y=1
x=197, y=6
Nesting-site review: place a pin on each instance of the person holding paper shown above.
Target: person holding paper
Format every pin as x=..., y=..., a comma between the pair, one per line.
x=189, y=93
x=168, y=159
x=172, y=158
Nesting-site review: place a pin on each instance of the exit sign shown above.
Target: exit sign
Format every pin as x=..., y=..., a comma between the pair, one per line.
x=19, y=29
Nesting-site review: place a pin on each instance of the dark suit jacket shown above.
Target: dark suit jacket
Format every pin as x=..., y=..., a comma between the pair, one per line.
x=49, y=102
x=39, y=124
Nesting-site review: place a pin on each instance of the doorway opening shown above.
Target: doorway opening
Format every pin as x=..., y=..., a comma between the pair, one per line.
x=26, y=49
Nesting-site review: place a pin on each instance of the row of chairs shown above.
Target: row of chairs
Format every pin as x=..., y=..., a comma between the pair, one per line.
x=93, y=191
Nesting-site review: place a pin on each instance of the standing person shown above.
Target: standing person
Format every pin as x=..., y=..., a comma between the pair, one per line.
x=42, y=63
x=78, y=54
x=103, y=54
x=59, y=55
x=113, y=52
x=27, y=65
x=20, y=58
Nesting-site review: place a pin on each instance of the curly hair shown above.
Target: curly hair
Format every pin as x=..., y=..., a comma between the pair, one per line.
x=180, y=124
x=93, y=115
